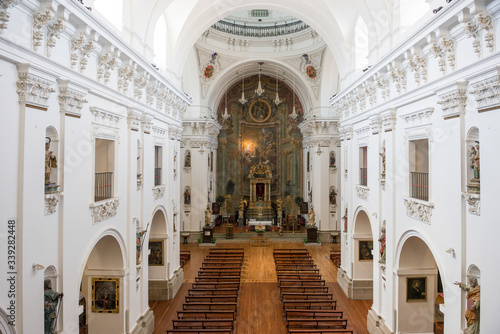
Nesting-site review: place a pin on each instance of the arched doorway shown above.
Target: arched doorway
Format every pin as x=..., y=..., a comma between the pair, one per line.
x=417, y=287
x=362, y=273
x=157, y=258
x=103, y=287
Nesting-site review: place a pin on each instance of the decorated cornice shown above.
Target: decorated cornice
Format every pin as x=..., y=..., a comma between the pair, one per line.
x=55, y=29
x=487, y=91
x=389, y=120
x=151, y=91
x=418, y=209
x=398, y=76
x=105, y=118
x=417, y=63
x=443, y=48
x=71, y=98
x=107, y=62
x=105, y=210
x=82, y=44
x=140, y=82
x=5, y=6
x=160, y=135
x=125, y=75
x=147, y=123
x=474, y=24
x=371, y=92
x=474, y=202
x=453, y=100
x=383, y=85
x=375, y=124
x=40, y=20
x=363, y=131
x=362, y=192
x=134, y=118
x=33, y=88
x=418, y=117
x=51, y=201
x=158, y=192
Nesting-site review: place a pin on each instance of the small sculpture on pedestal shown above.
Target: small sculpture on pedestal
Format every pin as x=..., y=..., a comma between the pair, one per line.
x=473, y=302
x=50, y=162
x=312, y=217
x=474, y=183
x=208, y=215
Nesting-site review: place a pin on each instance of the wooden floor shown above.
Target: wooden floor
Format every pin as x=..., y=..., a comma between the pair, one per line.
x=259, y=306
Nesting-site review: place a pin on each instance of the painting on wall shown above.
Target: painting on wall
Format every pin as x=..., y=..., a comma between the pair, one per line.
x=155, y=253
x=416, y=289
x=365, y=250
x=105, y=295
x=259, y=144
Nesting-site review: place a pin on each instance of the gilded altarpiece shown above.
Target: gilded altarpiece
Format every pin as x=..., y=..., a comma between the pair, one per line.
x=260, y=131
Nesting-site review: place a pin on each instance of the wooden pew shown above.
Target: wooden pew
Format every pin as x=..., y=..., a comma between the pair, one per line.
x=217, y=285
x=302, y=283
x=213, y=292
x=219, y=269
x=283, y=277
x=289, y=296
x=294, y=262
x=203, y=324
x=199, y=331
x=292, y=256
x=316, y=323
x=225, y=306
x=213, y=273
x=225, y=250
x=303, y=289
x=313, y=314
x=206, y=315
x=310, y=304
x=219, y=264
x=295, y=266
x=217, y=279
x=211, y=299
x=298, y=271
x=223, y=257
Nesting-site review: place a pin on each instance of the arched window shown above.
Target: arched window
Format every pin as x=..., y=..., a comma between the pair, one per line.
x=111, y=11
x=361, y=44
x=160, y=43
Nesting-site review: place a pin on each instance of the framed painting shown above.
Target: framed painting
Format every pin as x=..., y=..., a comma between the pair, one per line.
x=304, y=208
x=105, y=295
x=260, y=111
x=215, y=208
x=416, y=289
x=365, y=250
x=155, y=253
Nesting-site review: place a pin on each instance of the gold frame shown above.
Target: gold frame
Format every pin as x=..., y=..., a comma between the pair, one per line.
x=95, y=289
x=162, y=262
x=424, y=292
x=359, y=250
x=250, y=111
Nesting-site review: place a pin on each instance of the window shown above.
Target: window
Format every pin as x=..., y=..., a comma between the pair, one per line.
x=104, y=168
x=363, y=170
x=158, y=165
x=419, y=169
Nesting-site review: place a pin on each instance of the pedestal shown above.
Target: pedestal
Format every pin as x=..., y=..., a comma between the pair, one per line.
x=312, y=234
x=208, y=234
x=229, y=231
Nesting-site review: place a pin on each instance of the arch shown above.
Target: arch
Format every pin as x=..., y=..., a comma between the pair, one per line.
x=51, y=273
x=158, y=223
x=5, y=328
x=474, y=272
x=362, y=213
x=417, y=283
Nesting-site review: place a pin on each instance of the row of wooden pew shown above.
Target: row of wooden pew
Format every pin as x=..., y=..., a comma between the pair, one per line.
x=185, y=257
x=335, y=257
x=212, y=301
x=308, y=306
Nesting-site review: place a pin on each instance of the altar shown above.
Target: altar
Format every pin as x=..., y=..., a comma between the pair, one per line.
x=254, y=222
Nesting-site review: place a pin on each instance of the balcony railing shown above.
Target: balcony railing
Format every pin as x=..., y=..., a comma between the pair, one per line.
x=103, y=186
x=363, y=176
x=157, y=176
x=419, y=185
x=249, y=31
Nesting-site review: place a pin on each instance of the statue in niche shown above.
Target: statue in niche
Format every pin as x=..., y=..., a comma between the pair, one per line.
x=382, y=156
x=230, y=187
x=187, y=197
x=243, y=203
x=50, y=160
x=312, y=217
x=51, y=299
x=473, y=302
x=474, y=160
x=382, y=240
x=138, y=244
x=208, y=215
x=333, y=196
x=332, y=160
x=187, y=161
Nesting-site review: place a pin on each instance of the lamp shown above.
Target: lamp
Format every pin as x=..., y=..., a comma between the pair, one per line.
x=243, y=100
x=226, y=114
x=277, y=100
x=294, y=114
x=37, y=266
x=451, y=251
x=259, y=91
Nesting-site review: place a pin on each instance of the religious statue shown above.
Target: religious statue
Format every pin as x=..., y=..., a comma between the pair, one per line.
x=208, y=215
x=187, y=197
x=333, y=196
x=332, y=160
x=473, y=301
x=187, y=161
x=50, y=160
x=138, y=244
x=382, y=240
x=279, y=206
x=243, y=203
x=382, y=155
x=345, y=220
x=51, y=299
x=310, y=195
x=312, y=217
x=474, y=160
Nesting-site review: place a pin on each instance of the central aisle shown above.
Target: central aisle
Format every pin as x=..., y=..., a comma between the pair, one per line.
x=259, y=305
